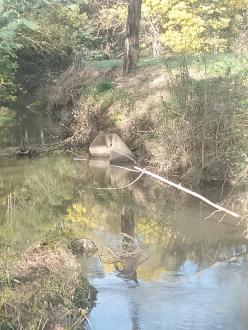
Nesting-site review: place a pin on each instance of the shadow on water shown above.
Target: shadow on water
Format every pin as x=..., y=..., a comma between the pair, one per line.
x=27, y=127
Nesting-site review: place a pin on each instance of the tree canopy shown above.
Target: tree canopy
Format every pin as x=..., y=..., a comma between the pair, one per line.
x=52, y=33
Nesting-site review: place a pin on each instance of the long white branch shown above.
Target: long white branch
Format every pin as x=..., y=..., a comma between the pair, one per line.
x=180, y=187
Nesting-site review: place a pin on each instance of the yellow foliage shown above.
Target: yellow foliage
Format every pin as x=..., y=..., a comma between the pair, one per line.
x=237, y=4
x=79, y=214
x=151, y=232
x=194, y=25
x=111, y=17
x=188, y=37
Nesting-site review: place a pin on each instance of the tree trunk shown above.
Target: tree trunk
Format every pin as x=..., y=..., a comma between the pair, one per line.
x=156, y=45
x=131, y=48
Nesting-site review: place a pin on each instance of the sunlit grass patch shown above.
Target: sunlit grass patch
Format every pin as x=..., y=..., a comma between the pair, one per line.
x=222, y=65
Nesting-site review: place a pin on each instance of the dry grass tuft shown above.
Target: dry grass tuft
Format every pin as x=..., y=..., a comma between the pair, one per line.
x=45, y=290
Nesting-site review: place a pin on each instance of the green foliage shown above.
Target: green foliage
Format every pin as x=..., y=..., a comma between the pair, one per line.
x=12, y=25
x=38, y=36
x=109, y=24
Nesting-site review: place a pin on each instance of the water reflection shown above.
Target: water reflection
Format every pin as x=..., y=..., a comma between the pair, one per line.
x=214, y=299
x=128, y=254
x=186, y=281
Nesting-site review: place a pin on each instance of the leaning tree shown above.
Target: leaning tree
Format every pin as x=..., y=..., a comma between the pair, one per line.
x=131, y=48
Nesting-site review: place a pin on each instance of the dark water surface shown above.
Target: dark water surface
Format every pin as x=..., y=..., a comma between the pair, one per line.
x=188, y=273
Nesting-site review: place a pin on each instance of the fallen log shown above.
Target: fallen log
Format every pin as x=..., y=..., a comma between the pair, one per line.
x=34, y=151
x=188, y=191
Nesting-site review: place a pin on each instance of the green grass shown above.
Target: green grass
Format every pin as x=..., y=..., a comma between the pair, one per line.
x=216, y=64
x=117, y=63
x=223, y=65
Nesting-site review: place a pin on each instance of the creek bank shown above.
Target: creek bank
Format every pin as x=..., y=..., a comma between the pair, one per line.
x=174, y=118
x=44, y=288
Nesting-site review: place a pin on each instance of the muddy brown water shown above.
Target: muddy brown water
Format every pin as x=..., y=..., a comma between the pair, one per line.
x=193, y=273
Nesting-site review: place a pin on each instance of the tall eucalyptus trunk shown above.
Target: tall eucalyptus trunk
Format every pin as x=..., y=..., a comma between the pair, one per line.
x=131, y=48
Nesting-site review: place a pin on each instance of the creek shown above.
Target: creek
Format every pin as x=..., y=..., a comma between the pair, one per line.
x=193, y=271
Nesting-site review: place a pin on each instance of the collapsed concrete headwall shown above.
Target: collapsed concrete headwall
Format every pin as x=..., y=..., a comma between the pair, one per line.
x=111, y=146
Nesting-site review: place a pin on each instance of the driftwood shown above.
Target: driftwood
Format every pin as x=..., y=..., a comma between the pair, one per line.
x=188, y=191
x=126, y=258
x=34, y=151
x=142, y=171
x=27, y=153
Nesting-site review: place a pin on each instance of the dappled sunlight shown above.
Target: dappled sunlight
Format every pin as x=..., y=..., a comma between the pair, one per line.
x=123, y=160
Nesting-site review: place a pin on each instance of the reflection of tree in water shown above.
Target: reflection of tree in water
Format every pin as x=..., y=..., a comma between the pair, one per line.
x=202, y=254
x=161, y=229
x=128, y=247
x=170, y=241
x=135, y=315
x=130, y=257
x=127, y=221
x=35, y=194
